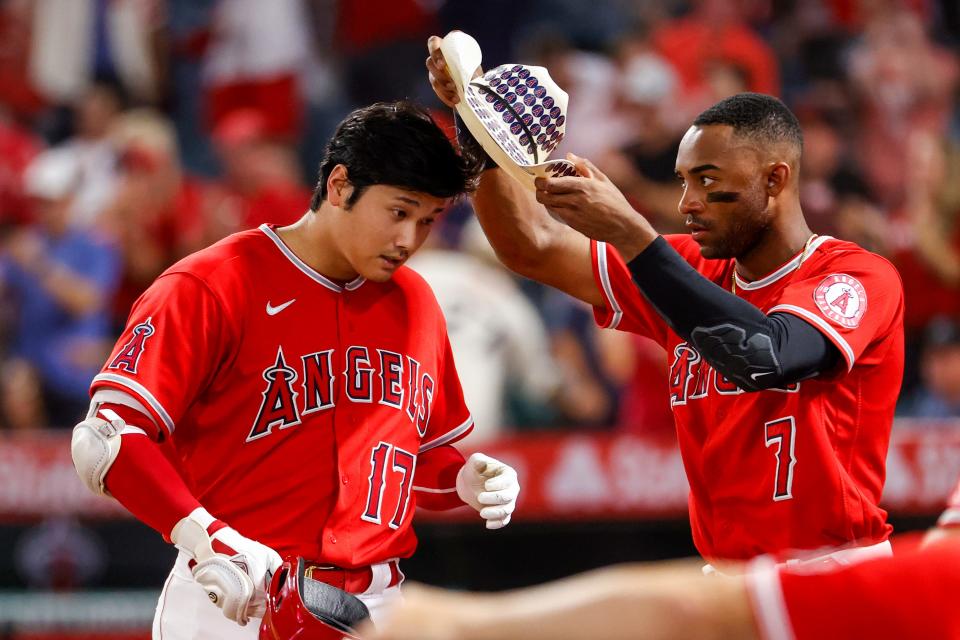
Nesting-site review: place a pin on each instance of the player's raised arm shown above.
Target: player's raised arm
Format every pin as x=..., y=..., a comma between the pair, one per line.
x=526, y=239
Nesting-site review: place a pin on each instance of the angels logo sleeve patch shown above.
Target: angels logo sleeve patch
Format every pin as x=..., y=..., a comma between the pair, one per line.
x=174, y=334
x=129, y=356
x=841, y=298
x=855, y=299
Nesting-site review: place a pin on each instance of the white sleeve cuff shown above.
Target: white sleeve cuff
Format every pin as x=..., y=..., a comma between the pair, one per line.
x=949, y=518
x=766, y=595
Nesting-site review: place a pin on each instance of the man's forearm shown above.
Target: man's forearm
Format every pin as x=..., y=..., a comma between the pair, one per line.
x=517, y=226
x=75, y=293
x=740, y=341
x=669, y=602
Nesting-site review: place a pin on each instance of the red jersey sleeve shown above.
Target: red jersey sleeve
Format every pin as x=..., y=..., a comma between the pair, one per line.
x=853, y=299
x=449, y=419
x=909, y=595
x=435, y=480
x=624, y=308
x=174, y=338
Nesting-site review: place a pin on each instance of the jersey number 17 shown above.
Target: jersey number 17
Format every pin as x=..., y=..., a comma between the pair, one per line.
x=402, y=464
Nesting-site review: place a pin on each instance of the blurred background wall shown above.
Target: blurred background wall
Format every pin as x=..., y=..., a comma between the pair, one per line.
x=133, y=132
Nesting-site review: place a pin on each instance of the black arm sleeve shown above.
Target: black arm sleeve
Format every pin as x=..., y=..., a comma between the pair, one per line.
x=752, y=349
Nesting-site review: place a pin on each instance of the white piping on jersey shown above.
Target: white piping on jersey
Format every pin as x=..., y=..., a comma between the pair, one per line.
x=429, y=490
x=607, y=289
x=449, y=436
x=307, y=269
x=949, y=517
x=115, y=396
x=144, y=394
x=824, y=326
x=782, y=271
x=763, y=585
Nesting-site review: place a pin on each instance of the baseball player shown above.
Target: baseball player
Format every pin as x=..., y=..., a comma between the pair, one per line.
x=910, y=595
x=785, y=348
x=291, y=390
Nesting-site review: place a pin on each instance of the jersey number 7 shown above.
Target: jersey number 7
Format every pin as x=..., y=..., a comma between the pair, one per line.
x=404, y=464
x=781, y=432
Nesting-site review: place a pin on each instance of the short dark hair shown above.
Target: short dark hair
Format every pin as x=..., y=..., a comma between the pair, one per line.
x=756, y=116
x=398, y=144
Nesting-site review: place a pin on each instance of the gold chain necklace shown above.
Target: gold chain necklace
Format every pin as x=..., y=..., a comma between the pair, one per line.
x=803, y=256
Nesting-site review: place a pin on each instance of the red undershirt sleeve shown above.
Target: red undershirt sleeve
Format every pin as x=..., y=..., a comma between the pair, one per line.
x=145, y=481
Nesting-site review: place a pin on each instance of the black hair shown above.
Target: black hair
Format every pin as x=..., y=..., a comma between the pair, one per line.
x=757, y=116
x=397, y=144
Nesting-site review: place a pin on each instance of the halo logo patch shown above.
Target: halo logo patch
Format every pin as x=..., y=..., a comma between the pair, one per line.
x=129, y=357
x=842, y=299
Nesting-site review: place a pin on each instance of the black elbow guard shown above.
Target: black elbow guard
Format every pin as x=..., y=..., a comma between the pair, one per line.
x=749, y=361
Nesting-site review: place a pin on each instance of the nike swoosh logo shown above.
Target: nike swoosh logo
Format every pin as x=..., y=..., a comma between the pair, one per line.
x=274, y=310
x=753, y=376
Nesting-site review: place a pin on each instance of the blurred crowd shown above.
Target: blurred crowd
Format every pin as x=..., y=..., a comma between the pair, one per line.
x=133, y=132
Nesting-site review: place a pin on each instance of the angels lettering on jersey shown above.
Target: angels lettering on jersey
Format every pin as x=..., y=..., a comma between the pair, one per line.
x=307, y=385
x=692, y=378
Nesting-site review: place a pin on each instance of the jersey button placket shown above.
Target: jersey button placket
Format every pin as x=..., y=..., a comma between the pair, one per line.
x=338, y=415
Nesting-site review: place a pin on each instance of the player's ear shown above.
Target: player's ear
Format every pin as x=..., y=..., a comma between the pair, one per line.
x=777, y=177
x=338, y=186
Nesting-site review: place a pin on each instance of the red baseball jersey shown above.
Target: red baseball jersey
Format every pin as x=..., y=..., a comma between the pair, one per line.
x=800, y=467
x=911, y=595
x=298, y=407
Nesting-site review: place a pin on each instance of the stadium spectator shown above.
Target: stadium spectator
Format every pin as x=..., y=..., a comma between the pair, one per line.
x=159, y=213
x=17, y=93
x=76, y=42
x=644, y=409
x=642, y=164
x=925, y=238
x=260, y=174
x=714, y=32
x=18, y=146
x=61, y=278
x=499, y=343
x=381, y=41
x=938, y=396
x=832, y=188
x=590, y=80
x=905, y=84
x=255, y=56
x=94, y=114
x=590, y=396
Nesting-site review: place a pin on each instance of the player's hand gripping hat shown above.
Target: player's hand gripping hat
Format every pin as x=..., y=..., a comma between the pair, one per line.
x=517, y=113
x=300, y=608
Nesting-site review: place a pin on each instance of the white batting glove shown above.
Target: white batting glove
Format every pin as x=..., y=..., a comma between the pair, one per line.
x=234, y=571
x=489, y=486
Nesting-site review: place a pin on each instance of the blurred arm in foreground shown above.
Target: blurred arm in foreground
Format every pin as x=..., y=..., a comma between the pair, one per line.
x=673, y=600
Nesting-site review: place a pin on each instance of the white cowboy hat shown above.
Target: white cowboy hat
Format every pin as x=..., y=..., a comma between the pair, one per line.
x=516, y=112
